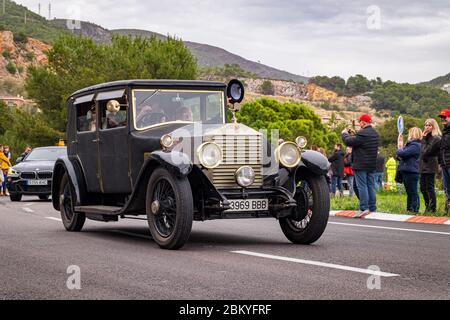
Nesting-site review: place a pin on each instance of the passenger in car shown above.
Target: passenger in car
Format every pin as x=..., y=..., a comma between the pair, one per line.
x=184, y=114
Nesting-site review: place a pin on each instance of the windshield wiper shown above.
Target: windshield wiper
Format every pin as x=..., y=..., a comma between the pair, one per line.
x=146, y=99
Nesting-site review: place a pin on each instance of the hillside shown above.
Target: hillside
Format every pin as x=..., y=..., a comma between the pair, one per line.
x=207, y=56
x=440, y=82
x=19, y=19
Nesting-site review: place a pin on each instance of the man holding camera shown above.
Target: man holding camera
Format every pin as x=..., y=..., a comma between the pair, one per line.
x=365, y=144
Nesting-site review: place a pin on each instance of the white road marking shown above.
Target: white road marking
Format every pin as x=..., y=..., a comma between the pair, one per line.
x=132, y=234
x=28, y=204
x=26, y=209
x=318, y=263
x=389, y=228
x=53, y=218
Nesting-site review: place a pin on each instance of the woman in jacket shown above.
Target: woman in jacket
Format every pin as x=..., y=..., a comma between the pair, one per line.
x=409, y=167
x=5, y=164
x=428, y=163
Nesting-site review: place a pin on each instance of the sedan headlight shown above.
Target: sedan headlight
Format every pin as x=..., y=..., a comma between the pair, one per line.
x=210, y=155
x=245, y=176
x=288, y=154
x=13, y=173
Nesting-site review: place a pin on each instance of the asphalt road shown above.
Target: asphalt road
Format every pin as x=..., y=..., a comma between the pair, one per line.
x=229, y=259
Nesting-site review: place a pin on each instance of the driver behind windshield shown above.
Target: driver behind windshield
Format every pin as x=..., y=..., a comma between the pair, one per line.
x=184, y=114
x=150, y=114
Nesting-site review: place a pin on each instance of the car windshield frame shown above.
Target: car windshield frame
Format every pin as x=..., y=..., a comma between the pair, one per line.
x=27, y=158
x=181, y=91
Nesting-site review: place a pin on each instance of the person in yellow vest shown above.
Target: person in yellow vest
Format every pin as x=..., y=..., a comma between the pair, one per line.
x=391, y=169
x=5, y=164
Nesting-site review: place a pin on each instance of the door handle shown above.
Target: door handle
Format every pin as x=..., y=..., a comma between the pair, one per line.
x=96, y=140
x=74, y=142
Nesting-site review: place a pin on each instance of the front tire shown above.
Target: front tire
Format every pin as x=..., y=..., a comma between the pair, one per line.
x=72, y=221
x=313, y=210
x=15, y=197
x=169, y=208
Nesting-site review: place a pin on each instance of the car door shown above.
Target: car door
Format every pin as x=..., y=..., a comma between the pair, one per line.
x=86, y=143
x=113, y=142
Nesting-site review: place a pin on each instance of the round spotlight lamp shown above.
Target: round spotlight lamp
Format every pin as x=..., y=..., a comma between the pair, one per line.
x=301, y=142
x=166, y=141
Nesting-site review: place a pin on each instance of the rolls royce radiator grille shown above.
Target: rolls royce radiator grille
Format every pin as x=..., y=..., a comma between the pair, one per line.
x=238, y=151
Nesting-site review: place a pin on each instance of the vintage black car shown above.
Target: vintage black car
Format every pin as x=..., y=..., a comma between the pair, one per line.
x=33, y=175
x=165, y=149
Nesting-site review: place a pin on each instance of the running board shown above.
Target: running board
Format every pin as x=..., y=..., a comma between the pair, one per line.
x=103, y=210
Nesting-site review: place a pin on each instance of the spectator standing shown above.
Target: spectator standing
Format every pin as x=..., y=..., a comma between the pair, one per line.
x=7, y=152
x=25, y=153
x=5, y=164
x=409, y=167
x=444, y=152
x=379, y=175
x=365, y=149
x=348, y=171
x=428, y=163
x=337, y=165
x=391, y=171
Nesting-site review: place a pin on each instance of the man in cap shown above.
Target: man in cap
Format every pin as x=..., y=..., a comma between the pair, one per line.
x=365, y=151
x=444, y=151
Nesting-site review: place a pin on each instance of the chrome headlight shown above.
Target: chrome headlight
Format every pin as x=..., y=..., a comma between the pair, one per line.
x=245, y=176
x=209, y=154
x=288, y=154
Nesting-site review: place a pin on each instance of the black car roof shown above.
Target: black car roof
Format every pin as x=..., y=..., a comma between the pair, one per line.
x=154, y=83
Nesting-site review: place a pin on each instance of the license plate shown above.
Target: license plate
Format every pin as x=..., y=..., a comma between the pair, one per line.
x=248, y=205
x=37, y=182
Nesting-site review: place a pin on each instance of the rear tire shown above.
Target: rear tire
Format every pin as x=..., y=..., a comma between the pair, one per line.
x=313, y=219
x=72, y=221
x=15, y=197
x=169, y=208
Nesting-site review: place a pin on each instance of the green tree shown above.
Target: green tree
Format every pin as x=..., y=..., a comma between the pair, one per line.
x=291, y=119
x=357, y=84
x=77, y=62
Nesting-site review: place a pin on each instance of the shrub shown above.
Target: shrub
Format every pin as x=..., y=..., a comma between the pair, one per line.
x=30, y=56
x=267, y=88
x=20, y=37
x=6, y=54
x=11, y=68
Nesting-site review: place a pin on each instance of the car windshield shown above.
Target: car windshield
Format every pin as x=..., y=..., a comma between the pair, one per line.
x=50, y=154
x=152, y=107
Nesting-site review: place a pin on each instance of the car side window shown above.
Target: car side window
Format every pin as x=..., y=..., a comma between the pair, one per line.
x=113, y=112
x=86, y=117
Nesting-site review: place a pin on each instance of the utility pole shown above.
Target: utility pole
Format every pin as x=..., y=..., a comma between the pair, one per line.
x=39, y=8
x=25, y=17
x=49, y=11
x=4, y=6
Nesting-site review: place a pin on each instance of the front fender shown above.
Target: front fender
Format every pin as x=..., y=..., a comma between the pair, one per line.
x=315, y=162
x=176, y=162
x=66, y=165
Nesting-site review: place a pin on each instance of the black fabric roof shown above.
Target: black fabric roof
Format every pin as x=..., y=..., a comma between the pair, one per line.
x=150, y=83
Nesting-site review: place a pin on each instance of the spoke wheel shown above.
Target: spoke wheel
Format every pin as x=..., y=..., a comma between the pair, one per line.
x=72, y=221
x=310, y=218
x=169, y=208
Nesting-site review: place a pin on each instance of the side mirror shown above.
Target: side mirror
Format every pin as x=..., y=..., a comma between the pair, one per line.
x=235, y=91
x=19, y=159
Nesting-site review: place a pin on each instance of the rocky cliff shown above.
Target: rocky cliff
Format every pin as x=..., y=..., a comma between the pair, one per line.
x=17, y=57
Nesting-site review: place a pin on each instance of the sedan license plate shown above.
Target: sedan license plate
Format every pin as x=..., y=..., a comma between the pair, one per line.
x=248, y=205
x=37, y=182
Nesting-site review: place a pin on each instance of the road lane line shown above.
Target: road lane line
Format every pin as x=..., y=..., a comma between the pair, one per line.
x=133, y=234
x=389, y=228
x=318, y=263
x=54, y=219
x=26, y=209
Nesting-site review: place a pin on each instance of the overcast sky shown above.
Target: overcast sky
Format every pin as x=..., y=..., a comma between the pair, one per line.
x=406, y=41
